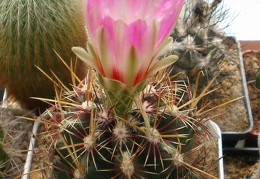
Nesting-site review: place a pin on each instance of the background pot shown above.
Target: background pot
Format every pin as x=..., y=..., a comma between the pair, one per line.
x=216, y=132
x=235, y=119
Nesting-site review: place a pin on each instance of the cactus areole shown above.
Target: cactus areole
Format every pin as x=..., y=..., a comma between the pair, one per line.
x=126, y=38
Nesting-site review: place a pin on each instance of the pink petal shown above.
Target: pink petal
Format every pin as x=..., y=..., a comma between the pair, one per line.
x=128, y=34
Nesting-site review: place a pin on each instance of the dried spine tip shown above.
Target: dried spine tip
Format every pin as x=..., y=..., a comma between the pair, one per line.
x=215, y=3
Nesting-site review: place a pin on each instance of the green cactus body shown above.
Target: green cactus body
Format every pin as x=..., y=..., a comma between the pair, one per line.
x=155, y=140
x=198, y=39
x=30, y=33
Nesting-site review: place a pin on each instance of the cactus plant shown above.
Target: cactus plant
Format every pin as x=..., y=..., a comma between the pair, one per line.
x=159, y=138
x=198, y=39
x=122, y=120
x=31, y=33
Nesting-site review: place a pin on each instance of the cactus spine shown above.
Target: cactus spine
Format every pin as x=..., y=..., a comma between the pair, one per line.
x=198, y=39
x=30, y=33
x=156, y=139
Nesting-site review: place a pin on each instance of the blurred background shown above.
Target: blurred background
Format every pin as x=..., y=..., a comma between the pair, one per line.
x=245, y=16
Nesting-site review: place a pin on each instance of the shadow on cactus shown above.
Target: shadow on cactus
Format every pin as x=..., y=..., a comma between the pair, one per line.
x=162, y=135
x=199, y=40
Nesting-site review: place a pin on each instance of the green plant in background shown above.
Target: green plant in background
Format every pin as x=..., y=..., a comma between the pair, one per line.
x=198, y=39
x=128, y=118
x=31, y=33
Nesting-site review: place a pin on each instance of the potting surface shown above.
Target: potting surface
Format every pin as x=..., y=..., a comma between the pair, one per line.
x=238, y=166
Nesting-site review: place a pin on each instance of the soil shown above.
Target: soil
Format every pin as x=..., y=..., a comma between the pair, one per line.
x=231, y=117
x=252, y=64
x=234, y=167
x=17, y=125
x=17, y=133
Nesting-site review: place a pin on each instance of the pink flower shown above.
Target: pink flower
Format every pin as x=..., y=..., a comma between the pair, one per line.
x=126, y=37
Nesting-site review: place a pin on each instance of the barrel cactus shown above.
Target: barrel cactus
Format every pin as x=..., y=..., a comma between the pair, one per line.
x=198, y=39
x=31, y=33
x=161, y=135
x=127, y=118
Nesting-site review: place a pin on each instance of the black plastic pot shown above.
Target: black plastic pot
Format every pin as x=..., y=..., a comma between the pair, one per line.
x=249, y=154
x=246, y=150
